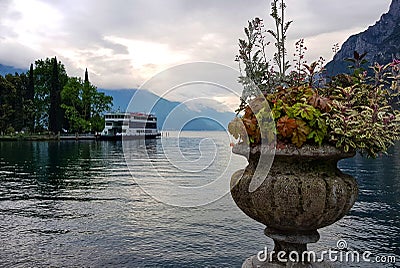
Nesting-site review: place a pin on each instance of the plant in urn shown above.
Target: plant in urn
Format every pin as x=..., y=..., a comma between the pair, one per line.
x=294, y=124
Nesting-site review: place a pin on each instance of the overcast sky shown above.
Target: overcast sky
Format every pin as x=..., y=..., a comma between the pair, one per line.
x=125, y=42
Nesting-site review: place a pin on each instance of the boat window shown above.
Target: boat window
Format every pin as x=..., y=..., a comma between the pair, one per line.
x=137, y=124
x=151, y=125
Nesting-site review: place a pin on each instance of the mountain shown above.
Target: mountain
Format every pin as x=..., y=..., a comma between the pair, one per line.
x=381, y=42
x=171, y=115
x=4, y=69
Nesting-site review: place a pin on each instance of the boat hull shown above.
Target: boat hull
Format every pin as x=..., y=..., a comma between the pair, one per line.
x=130, y=137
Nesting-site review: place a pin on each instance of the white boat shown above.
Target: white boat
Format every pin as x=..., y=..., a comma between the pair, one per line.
x=129, y=126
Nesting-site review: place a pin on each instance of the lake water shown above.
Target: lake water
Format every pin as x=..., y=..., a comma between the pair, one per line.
x=76, y=204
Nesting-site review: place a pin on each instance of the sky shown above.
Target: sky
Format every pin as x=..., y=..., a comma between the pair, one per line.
x=123, y=43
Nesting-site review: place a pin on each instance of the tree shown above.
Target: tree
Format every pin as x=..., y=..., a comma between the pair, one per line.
x=100, y=103
x=7, y=99
x=30, y=97
x=45, y=98
x=55, y=111
x=76, y=95
x=18, y=101
x=86, y=76
x=71, y=97
x=86, y=96
x=16, y=108
x=45, y=75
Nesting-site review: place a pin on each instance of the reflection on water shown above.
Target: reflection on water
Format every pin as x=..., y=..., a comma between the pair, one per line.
x=75, y=204
x=373, y=224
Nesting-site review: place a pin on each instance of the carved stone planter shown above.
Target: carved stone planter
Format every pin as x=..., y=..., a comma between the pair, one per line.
x=303, y=191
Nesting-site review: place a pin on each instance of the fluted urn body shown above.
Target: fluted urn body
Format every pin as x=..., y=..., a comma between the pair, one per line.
x=303, y=191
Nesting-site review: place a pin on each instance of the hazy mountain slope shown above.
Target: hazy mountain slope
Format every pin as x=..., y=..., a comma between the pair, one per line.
x=4, y=69
x=171, y=115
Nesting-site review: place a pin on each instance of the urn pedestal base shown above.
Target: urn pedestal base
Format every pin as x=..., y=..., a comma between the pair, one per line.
x=253, y=262
x=288, y=242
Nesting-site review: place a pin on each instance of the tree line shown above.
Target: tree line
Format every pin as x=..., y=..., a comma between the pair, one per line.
x=45, y=98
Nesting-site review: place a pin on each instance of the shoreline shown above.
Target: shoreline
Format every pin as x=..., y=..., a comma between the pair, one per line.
x=29, y=138
x=46, y=137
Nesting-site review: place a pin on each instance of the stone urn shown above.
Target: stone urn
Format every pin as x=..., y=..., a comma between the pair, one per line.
x=303, y=191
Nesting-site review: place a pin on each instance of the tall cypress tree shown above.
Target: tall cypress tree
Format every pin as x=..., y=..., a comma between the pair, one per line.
x=55, y=111
x=30, y=96
x=86, y=76
x=86, y=96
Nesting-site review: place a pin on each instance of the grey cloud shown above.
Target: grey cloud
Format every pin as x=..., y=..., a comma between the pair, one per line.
x=171, y=21
x=4, y=7
x=7, y=14
x=10, y=54
x=180, y=24
x=116, y=48
x=314, y=17
x=103, y=72
x=184, y=24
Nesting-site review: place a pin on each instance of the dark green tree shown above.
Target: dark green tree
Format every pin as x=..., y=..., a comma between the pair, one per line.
x=100, y=103
x=86, y=76
x=72, y=104
x=76, y=95
x=45, y=98
x=31, y=84
x=30, y=97
x=7, y=111
x=19, y=83
x=86, y=97
x=43, y=74
x=55, y=111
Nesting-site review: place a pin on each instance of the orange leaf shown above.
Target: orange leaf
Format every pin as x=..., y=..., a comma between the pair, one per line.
x=286, y=126
x=248, y=113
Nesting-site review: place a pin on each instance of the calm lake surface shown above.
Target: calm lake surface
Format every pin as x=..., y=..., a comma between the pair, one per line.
x=76, y=204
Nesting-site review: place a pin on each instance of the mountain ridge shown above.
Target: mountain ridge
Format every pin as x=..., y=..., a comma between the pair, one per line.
x=381, y=41
x=6, y=69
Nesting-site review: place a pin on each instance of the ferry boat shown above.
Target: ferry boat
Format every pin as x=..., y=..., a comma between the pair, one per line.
x=129, y=126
